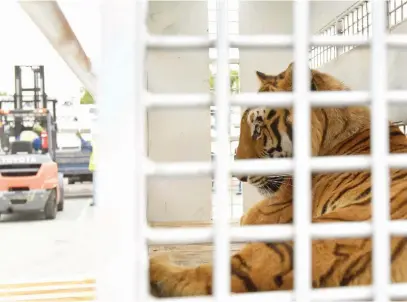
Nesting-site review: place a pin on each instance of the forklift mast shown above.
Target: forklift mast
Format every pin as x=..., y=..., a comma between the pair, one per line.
x=36, y=98
x=38, y=89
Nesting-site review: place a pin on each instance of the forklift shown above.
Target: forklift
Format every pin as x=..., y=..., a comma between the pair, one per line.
x=29, y=177
x=25, y=107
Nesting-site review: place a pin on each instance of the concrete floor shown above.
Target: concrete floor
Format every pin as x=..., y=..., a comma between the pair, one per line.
x=35, y=251
x=43, y=258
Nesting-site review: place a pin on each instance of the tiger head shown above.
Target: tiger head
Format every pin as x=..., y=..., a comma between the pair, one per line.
x=267, y=132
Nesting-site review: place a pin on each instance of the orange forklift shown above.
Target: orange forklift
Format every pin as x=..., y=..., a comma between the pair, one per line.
x=29, y=177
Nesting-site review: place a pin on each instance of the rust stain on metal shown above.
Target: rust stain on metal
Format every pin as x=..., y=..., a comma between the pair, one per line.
x=64, y=32
x=67, y=36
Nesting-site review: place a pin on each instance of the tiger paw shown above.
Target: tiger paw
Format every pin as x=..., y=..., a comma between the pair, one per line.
x=159, y=274
x=170, y=280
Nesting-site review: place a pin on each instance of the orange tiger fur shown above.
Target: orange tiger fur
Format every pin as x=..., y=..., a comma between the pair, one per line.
x=267, y=133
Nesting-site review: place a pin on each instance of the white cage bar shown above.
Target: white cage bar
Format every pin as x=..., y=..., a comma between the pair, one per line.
x=379, y=150
x=126, y=56
x=121, y=90
x=221, y=277
x=302, y=153
x=265, y=41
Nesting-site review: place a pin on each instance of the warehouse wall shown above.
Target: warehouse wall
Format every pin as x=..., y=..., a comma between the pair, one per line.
x=175, y=135
x=262, y=17
x=354, y=69
x=323, y=12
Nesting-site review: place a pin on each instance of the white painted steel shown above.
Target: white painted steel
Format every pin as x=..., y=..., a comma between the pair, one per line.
x=302, y=154
x=275, y=99
x=253, y=41
x=281, y=165
x=266, y=41
x=379, y=152
x=120, y=179
x=167, y=236
x=221, y=274
x=49, y=18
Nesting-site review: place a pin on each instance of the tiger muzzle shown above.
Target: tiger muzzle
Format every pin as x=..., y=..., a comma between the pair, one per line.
x=242, y=178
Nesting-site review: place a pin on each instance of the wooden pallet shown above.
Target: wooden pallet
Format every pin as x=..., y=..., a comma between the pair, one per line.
x=189, y=254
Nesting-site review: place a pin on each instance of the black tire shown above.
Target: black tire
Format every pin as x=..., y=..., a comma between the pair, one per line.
x=71, y=182
x=50, y=210
x=60, y=207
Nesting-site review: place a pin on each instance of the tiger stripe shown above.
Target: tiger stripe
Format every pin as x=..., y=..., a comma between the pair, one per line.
x=325, y=131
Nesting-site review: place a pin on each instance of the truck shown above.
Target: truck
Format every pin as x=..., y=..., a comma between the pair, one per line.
x=29, y=176
x=72, y=159
x=73, y=163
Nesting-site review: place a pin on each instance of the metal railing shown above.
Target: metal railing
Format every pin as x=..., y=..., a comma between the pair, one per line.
x=356, y=20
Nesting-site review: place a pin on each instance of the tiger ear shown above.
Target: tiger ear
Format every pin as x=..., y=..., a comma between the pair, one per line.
x=262, y=77
x=289, y=74
x=255, y=120
x=315, y=79
x=313, y=85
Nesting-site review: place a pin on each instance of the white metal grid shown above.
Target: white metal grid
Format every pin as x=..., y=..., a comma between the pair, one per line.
x=123, y=70
x=236, y=200
x=380, y=148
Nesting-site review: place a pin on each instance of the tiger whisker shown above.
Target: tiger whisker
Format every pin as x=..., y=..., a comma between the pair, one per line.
x=280, y=183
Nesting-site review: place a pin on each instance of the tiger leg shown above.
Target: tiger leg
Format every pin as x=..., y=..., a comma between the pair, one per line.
x=249, y=272
x=343, y=262
x=269, y=211
x=269, y=266
x=347, y=262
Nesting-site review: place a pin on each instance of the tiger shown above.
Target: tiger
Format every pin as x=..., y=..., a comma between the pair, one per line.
x=345, y=196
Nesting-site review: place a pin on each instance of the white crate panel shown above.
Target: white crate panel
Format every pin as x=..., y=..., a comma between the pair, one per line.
x=301, y=166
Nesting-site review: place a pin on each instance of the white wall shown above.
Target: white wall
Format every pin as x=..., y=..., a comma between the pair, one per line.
x=262, y=17
x=353, y=68
x=181, y=134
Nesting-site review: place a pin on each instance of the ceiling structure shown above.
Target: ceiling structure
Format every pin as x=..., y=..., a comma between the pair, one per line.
x=49, y=18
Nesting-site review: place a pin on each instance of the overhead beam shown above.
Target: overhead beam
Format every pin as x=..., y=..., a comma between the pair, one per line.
x=49, y=18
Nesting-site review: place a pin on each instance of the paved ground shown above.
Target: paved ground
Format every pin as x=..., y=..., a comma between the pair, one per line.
x=58, y=260
x=78, y=188
x=34, y=250
x=75, y=209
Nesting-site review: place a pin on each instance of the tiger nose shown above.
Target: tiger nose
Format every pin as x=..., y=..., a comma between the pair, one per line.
x=242, y=178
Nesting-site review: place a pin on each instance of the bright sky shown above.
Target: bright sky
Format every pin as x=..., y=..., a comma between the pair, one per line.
x=22, y=43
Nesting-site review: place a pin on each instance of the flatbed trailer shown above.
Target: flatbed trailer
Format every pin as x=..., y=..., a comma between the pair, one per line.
x=74, y=165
